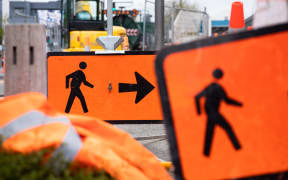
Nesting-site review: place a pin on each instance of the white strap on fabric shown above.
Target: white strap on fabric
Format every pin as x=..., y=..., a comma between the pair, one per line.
x=70, y=145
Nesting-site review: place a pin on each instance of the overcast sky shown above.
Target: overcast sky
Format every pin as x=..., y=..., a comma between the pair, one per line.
x=217, y=9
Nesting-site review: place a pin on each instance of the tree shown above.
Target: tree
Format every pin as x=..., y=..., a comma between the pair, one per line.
x=177, y=5
x=181, y=4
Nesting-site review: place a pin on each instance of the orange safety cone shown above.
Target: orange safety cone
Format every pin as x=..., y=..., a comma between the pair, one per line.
x=249, y=28
x=237, y=17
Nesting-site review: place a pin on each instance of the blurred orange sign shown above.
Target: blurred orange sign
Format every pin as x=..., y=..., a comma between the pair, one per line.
x=225, y=104
x=109, y=87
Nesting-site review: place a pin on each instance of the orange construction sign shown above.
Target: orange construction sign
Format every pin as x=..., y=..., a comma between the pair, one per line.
x=108, y=86
x=225, y=104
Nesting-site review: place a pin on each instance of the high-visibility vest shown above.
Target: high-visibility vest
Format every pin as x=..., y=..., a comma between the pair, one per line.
x=28, y=124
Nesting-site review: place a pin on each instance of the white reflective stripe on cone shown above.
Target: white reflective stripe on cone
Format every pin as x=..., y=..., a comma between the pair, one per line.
x=235, y=30
x=270, y=12
x=70, y=145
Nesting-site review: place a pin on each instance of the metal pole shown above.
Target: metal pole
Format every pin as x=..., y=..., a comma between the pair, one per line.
x=207, y=25
x=74, y=7
x=109, y=17
x=144, y=27
x=172, y=20
x=159, y=23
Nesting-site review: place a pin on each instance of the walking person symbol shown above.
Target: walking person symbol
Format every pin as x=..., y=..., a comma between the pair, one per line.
x=214, y=94
x=77, y=78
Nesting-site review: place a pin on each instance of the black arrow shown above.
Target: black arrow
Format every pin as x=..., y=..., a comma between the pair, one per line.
x=143, y=87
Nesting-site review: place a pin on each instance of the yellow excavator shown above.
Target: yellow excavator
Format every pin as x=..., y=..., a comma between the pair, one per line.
x=83, y=22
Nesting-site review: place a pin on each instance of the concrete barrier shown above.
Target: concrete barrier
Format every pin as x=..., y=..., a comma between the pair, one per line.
x=25, y=59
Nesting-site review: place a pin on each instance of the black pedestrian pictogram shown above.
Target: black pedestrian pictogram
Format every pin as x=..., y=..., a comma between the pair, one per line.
x=214, y=94
x=77, y=78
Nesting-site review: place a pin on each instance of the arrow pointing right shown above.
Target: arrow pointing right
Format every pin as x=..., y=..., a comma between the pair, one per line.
x=143, y=87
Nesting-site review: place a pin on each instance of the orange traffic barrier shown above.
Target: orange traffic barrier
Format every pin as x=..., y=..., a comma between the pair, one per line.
x=225, y=102
x=28, y=123
x=109, y=87
x=237, y=16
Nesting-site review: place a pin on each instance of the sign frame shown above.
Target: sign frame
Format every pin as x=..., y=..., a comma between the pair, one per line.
x=92, y=53
x=164, y=95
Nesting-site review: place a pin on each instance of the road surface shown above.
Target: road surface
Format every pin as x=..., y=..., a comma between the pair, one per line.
x=158, y=145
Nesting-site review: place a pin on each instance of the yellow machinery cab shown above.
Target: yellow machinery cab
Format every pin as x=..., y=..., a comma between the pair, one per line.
x=83, y=22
